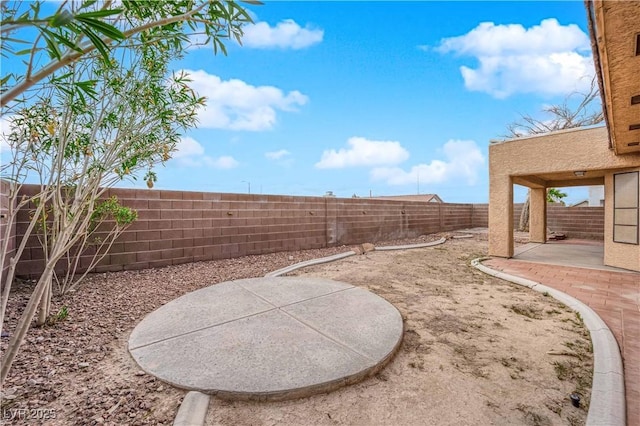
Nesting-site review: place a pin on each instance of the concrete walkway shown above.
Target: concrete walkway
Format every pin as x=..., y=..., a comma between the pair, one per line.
x=268, y=338
x=613, y=293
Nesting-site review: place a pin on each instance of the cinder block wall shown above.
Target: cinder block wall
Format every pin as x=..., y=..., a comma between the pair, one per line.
x=4, y=226
x=577, y=222
x=481, y=215
x=176, y=227
x=353, y=221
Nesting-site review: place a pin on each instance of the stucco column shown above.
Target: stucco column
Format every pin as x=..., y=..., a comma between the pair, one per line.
x=500, y=215
x=538, y=215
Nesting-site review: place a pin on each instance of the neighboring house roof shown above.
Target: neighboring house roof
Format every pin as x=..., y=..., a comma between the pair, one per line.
x=427, y=198
x=614, y=27
x=583, y=203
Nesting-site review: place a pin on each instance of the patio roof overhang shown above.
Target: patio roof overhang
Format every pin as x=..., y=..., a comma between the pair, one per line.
x=574, y=157
x=559, y=180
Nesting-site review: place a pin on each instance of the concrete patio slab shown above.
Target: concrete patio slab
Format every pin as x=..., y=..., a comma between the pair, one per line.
x=315, y=336
x=294, y=289
x=563, y=253
x=195, y=311
x=329, y=314
x=262, y=354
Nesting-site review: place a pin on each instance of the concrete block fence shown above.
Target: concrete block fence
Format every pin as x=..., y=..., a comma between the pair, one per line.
x=176, y=227
x=577, y=222
x=4, y=225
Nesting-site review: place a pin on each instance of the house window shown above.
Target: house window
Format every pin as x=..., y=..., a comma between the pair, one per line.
x=626, y=188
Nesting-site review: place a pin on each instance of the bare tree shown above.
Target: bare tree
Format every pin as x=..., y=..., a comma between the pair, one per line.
x=578, y=109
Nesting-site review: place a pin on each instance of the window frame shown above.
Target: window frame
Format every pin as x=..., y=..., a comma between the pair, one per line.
x=636, y=208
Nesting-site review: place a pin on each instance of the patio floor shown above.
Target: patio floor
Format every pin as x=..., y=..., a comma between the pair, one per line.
x=579, y=253
x=575, y=267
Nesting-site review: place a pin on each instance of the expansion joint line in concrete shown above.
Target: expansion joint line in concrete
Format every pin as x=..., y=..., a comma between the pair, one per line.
x=337, y=342
x=273, y=308
x=186, y=333
x=280, y=308
x=292, y=303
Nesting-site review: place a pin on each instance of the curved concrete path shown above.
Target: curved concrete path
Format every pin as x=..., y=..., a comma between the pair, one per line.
x=268, y=338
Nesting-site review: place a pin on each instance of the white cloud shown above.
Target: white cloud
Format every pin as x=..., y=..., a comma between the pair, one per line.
x=463, y=160
x=277, y=155
x=5, y=130
x=190, y=153
x=286, y=34
x=224, y=162
x=548, y=58
x=188, y=147
x=281, y=157
x=236, y=105
x=363, y=152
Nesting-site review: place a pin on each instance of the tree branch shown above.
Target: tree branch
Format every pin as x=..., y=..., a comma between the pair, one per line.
x=72, y=55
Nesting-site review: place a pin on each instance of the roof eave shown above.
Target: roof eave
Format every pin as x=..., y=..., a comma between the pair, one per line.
x=597, y=62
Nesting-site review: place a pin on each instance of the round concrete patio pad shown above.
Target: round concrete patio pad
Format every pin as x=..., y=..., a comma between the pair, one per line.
x=268, y=338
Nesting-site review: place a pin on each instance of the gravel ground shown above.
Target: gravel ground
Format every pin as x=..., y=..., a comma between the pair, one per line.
x=76, y=370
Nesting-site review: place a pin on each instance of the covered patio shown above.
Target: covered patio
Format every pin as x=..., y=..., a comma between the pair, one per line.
x=575, y=157
x=607, y=155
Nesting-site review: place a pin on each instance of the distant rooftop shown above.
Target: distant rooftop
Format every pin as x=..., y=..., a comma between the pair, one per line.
x=426, y=198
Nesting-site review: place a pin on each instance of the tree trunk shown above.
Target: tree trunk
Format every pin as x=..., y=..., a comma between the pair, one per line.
x=45, y=305
x=524, y=215
x=23, y=323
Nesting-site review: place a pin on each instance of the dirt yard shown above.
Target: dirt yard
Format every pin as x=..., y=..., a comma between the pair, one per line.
x=476, y=350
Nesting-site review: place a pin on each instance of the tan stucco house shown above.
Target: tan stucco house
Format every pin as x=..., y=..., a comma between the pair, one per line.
x=606, y=155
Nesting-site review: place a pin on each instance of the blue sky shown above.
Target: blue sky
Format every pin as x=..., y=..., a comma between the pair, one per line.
x=375, y=97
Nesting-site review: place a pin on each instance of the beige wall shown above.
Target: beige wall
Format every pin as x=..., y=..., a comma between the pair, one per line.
x=621, y=255
x=558, y=153
x=538, y=221
x=550, y=161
